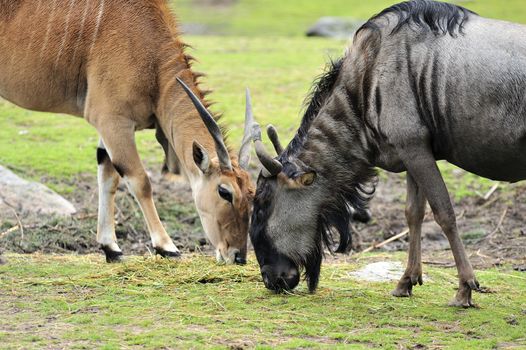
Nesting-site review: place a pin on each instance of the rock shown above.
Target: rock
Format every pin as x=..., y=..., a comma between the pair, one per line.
x=28, y=198
x=335, y=27
x=383, y=271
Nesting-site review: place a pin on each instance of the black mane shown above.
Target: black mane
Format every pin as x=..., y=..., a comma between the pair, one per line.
x=439, y=17
x=322, y=88
x=350, y=200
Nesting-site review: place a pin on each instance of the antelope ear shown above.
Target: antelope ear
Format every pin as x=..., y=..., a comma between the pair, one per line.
x=307, y=179
x=201, y=158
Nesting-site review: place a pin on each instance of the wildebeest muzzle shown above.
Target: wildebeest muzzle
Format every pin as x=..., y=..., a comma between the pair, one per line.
x=282, y=275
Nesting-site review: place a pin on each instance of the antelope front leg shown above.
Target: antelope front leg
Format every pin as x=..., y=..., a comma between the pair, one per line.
x=118, y=137
x=108, y=180
x=421, y=164
x=414, y=213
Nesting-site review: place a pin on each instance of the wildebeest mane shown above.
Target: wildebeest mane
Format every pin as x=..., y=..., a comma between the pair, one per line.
x=439, y=17
x=322, y=88
x=348, y=197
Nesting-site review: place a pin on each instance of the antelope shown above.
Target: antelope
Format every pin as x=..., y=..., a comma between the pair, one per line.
x=422, y=81
x=122, y=66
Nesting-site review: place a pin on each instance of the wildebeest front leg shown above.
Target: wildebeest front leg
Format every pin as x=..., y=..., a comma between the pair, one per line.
x=118, y=137
x=108, y=180
x=414, y=213
x=421, y=164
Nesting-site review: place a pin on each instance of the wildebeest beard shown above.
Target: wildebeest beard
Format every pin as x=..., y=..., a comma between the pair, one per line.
x=335, y=216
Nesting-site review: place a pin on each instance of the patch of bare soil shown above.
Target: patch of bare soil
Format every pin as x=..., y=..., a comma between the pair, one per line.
x=493, y=230
x=77, y=234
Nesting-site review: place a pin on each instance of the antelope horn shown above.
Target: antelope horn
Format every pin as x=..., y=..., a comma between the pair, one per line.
x=244, y=151
x=213, y=128
x=274, y=138
x=271, y=167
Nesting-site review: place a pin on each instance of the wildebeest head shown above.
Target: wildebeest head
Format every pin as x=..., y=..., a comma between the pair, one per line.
x=285, y=228
x=224, y=192
x=295, y=211
x=313, y=189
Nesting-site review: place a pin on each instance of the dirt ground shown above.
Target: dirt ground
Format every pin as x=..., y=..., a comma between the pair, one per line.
x=493, y=230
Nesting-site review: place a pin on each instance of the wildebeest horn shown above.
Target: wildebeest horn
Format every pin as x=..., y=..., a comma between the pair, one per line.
x=244, y=151
x=271, y=166
x=274, y=138
x=213, y=128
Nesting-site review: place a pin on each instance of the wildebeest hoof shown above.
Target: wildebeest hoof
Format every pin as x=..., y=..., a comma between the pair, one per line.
x=112, y=256
x=464, y=294
x=240, y=260
x=403, y=292
x=2, y=260
x=406, y=283
x=166, y=253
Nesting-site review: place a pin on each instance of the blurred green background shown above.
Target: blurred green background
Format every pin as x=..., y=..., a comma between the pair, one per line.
x=256, y=43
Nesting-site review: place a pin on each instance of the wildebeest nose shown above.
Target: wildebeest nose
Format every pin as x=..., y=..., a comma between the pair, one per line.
x=289, y=279
x=280, y=280
x=240, y=260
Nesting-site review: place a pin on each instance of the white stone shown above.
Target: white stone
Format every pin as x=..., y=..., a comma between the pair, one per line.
x=28, y=198
x=383, y=271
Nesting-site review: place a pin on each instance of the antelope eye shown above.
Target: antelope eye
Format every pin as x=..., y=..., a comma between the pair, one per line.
x=224, y=193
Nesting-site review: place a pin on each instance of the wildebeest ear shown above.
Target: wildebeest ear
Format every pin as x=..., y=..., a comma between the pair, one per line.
x=201, y=158
x=307, y=179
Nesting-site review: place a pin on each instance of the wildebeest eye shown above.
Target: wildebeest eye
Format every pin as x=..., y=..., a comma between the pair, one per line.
x=224, y=193
x=308, y=178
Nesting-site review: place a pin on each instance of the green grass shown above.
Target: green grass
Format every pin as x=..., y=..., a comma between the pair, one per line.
x=80, y=302
x=56, y=148
x=50, y=146
x=293, y=17
x=264, y=50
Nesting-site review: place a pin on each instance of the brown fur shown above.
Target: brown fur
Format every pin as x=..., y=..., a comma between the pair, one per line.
x=113, y=63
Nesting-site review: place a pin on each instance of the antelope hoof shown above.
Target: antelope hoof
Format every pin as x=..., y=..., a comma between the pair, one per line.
x=167, y=254
x=112, y=256
x=404, y=288
x=464, y=294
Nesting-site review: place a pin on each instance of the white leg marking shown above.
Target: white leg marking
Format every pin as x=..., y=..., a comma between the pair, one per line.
x=106, y=225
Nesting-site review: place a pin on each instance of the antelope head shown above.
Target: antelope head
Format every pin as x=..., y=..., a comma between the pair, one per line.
x=224, y=193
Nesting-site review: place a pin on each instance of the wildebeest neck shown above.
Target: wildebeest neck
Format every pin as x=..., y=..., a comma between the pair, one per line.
x=331, y=140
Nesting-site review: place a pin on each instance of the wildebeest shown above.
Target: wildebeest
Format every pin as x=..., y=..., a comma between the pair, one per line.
x=422, y=81
x=115, y=63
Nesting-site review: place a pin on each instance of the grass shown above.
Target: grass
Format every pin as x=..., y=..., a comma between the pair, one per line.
x=264, y=49
x=80, y=302
x=275, y=18
x=55, y=149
